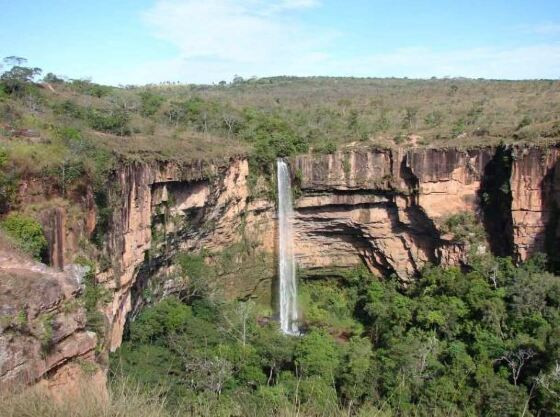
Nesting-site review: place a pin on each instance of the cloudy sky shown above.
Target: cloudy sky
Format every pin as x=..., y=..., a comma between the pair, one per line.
x=144, y=41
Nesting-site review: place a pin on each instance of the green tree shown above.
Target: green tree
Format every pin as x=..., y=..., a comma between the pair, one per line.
x=27, y=233
x=18, y=77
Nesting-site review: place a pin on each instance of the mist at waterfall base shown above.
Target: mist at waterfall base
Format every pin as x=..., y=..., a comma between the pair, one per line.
x=286, y=258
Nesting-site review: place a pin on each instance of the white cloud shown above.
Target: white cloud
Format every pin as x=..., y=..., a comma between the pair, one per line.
x=224, y=37
x=294, y=4
x=216, y=39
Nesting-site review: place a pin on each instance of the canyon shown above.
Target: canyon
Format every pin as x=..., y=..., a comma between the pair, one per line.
x=361, y=205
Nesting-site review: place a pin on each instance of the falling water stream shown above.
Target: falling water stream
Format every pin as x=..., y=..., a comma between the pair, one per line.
x=286, y=259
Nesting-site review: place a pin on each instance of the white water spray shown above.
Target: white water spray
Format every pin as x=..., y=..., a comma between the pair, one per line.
x=286, y=259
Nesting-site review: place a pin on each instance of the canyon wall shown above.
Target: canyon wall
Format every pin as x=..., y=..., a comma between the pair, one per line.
x=380, y=207
x=386, y=207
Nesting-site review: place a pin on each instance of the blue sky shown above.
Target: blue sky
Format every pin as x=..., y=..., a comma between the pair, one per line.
x=143, y=41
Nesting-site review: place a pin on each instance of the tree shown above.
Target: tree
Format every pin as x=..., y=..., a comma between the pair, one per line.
x=52, y=79
x=18, y=77
x=409, y=119
x=27, y=233
x=13, y=61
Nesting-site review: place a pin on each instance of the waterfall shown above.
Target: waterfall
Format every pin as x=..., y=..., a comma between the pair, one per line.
x=286, y=259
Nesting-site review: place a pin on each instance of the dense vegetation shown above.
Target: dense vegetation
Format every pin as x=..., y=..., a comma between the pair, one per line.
x=483, y=341
x=25, y=233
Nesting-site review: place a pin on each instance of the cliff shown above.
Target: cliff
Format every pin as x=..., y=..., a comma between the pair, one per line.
x=386, y=207
x=381, y=207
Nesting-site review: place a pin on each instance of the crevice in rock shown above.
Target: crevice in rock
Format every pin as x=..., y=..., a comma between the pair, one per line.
x=410, y=179
x=496, y=202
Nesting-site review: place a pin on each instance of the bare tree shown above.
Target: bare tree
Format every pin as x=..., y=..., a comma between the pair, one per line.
x=230, y=121
x=203, y=373
x=546, y=381
x=237, y=321
x=516, y=361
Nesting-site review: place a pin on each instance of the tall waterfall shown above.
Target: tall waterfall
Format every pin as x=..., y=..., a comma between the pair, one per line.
x=286, y=259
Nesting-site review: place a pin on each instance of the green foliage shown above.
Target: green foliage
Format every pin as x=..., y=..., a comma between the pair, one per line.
x=326, y=148
x=93, y=295
x=272, y=137
x=317, y=355
x=46, y=336
x=7, y=182
x=115, y=121
x=52, y=78
x=464, y=227
x=89, y=88
x=434, y=118
x=27, y=233
x=479, y=342
x=18, y=79
x=150, y=103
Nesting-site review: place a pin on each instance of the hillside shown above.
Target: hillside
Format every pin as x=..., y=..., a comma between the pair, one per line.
x=140, y=247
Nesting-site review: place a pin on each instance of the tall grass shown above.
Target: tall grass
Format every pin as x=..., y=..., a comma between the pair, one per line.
x=127, y=399
x=124, y=400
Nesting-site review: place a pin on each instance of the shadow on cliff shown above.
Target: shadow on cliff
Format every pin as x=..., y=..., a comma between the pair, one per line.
x=496, y=201
x=422, y=228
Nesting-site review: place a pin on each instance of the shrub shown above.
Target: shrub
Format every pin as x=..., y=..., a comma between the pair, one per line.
x=464, y=227
x=317, y=355
x=89, y=88
x=150, y=103
x=115, y=121
x=27, y=232
x=326, y=147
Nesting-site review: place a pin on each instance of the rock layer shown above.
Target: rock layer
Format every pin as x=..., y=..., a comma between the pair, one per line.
x=42, y=327
x=385, y=207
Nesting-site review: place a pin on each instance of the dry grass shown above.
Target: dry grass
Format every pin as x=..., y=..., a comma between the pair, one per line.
x=169, y=146
x=341, y=111
x=440, y=109
x=9, y=246
x=124, y=400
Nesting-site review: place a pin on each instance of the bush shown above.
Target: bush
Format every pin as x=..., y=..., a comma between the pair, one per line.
x=27, y=232
x=92, y=89
x=464, y=227
x=150, y=103
x=325, y=148
x=115, y=121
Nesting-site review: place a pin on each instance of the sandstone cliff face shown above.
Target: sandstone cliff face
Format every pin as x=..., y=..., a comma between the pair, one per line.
x=382, y=206
x=378, y=206
x=535, y=189
x=385, y=206
x=42, y=328
x=167, y=209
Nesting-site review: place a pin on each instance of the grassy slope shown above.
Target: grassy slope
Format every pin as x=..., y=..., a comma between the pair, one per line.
x=190, y=121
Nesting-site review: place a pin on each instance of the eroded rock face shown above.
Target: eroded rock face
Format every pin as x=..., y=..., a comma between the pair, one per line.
x=385, y=207
x=167, y=209
x=42, y=325
x=535, y=189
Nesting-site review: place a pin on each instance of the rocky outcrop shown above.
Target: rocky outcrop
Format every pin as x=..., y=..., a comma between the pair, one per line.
x=535, y=190
x=43, y=330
